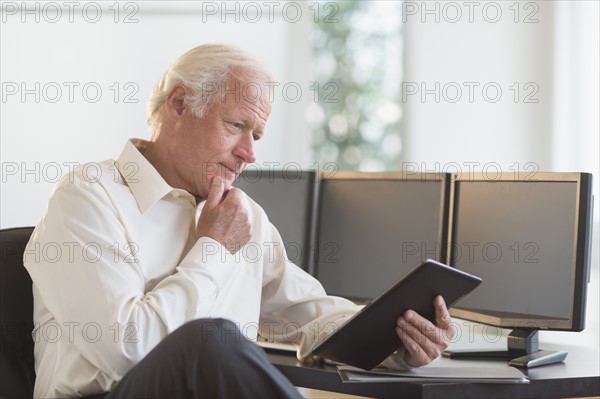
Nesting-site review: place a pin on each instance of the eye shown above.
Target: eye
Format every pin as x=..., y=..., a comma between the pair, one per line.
x=237, y=125
x=257, y=136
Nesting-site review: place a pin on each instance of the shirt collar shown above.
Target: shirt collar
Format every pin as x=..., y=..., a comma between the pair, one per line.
x=144, y=181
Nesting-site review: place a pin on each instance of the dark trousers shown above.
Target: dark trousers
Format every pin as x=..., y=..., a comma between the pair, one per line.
x=206, y=358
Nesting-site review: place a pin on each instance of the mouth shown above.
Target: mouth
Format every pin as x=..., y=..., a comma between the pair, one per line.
x=229, y=170
x=230, y=173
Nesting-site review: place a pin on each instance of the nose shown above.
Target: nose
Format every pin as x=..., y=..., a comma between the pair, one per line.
x=244, y=149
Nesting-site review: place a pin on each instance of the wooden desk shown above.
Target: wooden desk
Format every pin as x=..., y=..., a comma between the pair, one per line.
x=578, y=376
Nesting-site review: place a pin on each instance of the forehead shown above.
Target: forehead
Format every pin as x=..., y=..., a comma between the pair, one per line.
x=247, y=96
x=250, y=84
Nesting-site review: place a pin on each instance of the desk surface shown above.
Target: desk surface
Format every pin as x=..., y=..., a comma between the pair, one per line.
x=578, y=376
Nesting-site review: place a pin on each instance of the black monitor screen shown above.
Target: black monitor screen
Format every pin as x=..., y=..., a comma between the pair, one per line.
x=287, y=198
x=374, y=228
x=521, y=238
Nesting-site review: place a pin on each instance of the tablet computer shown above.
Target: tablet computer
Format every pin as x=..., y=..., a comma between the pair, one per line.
x=369, y=337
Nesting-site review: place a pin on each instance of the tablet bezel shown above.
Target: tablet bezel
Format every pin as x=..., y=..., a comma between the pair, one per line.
x=369, y=337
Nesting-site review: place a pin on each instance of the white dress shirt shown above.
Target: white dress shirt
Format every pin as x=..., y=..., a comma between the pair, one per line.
x=116, y=266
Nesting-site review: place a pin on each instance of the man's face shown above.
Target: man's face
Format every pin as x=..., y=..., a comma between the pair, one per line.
x=222, y=142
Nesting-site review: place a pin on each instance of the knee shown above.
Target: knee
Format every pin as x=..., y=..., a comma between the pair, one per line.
x=210, y=332
x=214, y=341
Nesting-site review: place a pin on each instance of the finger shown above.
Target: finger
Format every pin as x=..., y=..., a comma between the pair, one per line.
x=442, y=315
x=234, y=194
x=417, y=336
x=416, y=352
x=426, y=328
x=215, y=192
x=436, y=338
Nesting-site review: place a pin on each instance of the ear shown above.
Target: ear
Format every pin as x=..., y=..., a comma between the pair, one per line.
x=175, y=102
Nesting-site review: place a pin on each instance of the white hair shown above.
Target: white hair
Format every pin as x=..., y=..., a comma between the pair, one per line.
x=204, y=70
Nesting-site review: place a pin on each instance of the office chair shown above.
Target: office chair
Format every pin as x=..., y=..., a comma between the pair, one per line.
x=17, y=374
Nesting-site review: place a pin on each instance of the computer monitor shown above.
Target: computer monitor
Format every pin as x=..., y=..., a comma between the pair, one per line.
x=373, y=228
x=528, y=238
x=287, y=197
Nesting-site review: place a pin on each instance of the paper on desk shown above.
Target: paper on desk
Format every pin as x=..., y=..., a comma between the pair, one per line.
x=494, y=375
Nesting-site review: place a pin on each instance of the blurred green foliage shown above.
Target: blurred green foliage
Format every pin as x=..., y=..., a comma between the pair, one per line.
x=357, y=111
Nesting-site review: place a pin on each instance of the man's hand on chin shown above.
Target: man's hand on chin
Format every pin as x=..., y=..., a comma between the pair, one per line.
x=224, y=218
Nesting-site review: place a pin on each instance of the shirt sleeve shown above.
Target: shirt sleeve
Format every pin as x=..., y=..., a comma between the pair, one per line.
x=89, y=285
x=296, y=309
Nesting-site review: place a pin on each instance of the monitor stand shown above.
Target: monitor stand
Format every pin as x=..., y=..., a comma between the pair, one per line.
x=523, y=351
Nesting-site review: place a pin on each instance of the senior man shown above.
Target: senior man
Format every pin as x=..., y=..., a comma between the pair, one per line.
x=150, y=296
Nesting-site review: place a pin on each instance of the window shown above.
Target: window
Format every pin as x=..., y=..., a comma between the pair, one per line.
x=356, y=115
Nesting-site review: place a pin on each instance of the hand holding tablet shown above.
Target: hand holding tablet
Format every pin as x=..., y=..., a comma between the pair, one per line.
x=406, y=310
x=423, y=339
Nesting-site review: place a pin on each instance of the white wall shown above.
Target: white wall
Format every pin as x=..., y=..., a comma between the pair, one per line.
x=553, y=58
x=478, y=53
x=46, y=135
x=558, y=55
